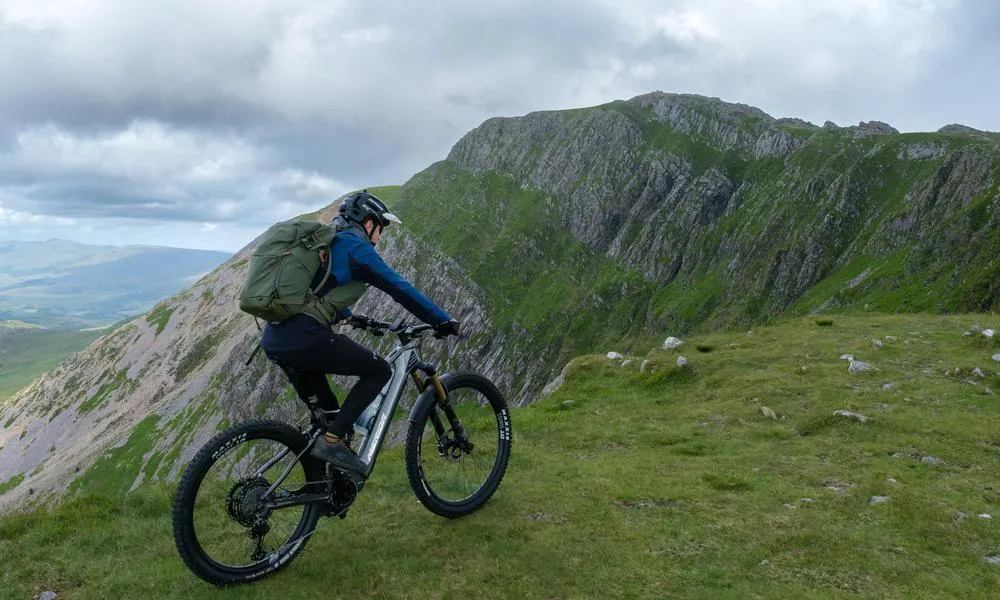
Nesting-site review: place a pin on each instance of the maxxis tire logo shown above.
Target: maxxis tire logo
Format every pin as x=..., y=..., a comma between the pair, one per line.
x=504, y=425
x=229, y=445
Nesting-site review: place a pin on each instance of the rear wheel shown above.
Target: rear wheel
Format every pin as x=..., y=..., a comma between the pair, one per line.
x=454, y=472
x=223, y=528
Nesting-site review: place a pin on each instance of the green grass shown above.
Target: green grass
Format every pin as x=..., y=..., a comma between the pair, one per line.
x=160, y=316
x=624, y=484
x=27, y=353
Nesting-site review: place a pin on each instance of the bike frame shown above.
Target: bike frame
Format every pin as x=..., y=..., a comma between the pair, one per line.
x=403, y=360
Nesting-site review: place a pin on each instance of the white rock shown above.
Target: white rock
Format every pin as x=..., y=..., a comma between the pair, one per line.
x=626, y=363
x=979, y=373
x=644, y=366
x=889, y=386
x=879, y=500
x=614, y=356
x=807, y=500
x=877, y=344
x=892, y=480
x=996, y=357
x=859, y=366
x=993, y=559
x=769, y=413
x=47, y=596
x=967, y=334
x=846, y=357
x=931, y=460
x=851, y=415
x=766, y=563
x=988, y=333
x=891, y=338
x=672, y=343
x=976, y=328
x=961, y=516
x=790, y=506
x=681, y=361
x=984, y=516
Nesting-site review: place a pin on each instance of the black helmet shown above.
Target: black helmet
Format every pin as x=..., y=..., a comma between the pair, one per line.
x=361, y=205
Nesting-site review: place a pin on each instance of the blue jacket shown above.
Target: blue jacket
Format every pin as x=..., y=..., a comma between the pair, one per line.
x=352, y=258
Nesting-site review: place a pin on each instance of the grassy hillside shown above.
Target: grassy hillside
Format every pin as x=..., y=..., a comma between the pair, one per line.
x=665, y=483
x=27, y=352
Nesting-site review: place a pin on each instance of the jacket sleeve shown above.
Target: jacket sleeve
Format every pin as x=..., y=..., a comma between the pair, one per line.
x=369, y=267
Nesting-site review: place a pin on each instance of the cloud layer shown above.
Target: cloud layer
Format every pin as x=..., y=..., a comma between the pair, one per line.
x=224, y=115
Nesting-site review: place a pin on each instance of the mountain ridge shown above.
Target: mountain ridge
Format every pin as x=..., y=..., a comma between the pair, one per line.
x=556, y=234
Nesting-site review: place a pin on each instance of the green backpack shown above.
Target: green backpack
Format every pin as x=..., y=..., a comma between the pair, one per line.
x=282, y=268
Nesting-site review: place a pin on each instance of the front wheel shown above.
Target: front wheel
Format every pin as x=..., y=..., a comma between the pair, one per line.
x=454, y=467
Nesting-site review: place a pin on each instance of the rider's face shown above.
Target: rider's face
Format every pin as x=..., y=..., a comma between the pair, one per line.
x=374, y=231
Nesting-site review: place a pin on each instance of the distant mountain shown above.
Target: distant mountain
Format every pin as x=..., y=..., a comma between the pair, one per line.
x=65, y=285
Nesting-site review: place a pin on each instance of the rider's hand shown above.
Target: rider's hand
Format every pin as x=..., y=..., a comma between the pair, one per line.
x=358, y=321
x=449, y=327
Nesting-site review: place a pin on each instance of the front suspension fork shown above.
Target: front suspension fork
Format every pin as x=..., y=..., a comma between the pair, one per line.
x=434, y=381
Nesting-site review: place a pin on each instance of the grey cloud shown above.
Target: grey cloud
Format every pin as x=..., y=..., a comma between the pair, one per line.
x=297, y=82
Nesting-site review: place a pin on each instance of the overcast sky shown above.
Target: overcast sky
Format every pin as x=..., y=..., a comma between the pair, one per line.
x=197, y=123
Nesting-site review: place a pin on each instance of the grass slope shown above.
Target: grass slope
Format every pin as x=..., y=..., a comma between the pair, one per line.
x=27, y=353
x=664, y=483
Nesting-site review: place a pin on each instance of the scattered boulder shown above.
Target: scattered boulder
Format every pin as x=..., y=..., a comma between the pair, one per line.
x=931, y=460
x=877, y=344
x=996, y=357
x=979, y=373
x=807, y=500
x=790, y=506
x=644, y=366
x=879, y=500
x=891, y=338
x=846, y=357
x=985, y=516
x=993, y=559
x=988, y=333
x=767, y=563
x=859, y=366
x=976, y=328
x=967, y=334
x=672, y=343
x=682, y=361
x=851, y=415
x=889, y=386
x=614, y=356
x=961, y=516
x=769, y=413
x=837, y=486
x=891, y=480
x=627, y=362
x=47, y=596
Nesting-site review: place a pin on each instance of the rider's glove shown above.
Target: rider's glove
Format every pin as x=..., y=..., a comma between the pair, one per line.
x=358, y=321
x=449, y=327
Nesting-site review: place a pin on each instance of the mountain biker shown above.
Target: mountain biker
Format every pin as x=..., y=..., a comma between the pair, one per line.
x=306, y=349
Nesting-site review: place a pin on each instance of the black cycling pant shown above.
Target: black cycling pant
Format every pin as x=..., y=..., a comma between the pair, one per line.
x=339, y=355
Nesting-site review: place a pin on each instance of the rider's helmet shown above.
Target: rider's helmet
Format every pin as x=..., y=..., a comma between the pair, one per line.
x=363, y=205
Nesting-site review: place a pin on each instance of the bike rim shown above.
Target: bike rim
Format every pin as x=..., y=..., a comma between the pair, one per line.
x=227, y=509
x=460, y=474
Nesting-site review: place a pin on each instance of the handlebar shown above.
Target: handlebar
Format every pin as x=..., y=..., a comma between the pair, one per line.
x=399, y=327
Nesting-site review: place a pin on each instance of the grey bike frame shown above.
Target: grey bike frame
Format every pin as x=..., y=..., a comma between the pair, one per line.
x=402, y=360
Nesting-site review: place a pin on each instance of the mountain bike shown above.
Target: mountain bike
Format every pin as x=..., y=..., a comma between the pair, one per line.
x=252, y=496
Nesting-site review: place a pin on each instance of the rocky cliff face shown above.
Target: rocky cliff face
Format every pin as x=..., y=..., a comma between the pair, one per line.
x=549, y=235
